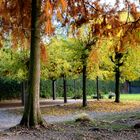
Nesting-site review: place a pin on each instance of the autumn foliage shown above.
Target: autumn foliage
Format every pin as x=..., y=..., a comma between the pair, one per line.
x=15, y=18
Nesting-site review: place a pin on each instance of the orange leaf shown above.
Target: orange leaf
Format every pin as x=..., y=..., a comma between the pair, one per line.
x=43, y=53
x=64, y=4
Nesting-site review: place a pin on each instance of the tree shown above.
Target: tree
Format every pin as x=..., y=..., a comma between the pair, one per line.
x=64, y=63
x=54, y=89
x=120, y=41
x=103, y=20
x=32, y=115
x=97, y=88
x=87, y=40
x=21, y=22
x=121, y=63
x=122, y=49
x=19, y=73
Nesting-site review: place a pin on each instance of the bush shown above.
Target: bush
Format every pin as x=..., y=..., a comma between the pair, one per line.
x=100, y=97
x=12, y=89
x=45, y=88
x=77, y=96
x=44, y=95
x=9, y=89
x=83, y=117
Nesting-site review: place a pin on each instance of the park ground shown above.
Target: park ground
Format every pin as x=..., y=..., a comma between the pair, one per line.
x=107, y=121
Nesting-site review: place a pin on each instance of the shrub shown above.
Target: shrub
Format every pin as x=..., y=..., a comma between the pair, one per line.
x=77, y=96
x=83, y=117
x=9, y=89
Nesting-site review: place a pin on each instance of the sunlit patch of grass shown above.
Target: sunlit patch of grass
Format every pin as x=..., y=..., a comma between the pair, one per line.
x=123, y=97
x=130, y=97
x=118, y=121
x=112, y=126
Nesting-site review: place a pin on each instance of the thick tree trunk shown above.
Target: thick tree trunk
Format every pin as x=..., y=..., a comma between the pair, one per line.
x=65, y=89
x=32, y=115
x=54, y=89
x=97, y=88
x=84, y=87
x=117, y=85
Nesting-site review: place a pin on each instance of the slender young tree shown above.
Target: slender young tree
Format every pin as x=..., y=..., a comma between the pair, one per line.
x=65, y=89
x=88, y=40
x=54, y=89
x=84, y=85
x=97, y=87
x=118, y=64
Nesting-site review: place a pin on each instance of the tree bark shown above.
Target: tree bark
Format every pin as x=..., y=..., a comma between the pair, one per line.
x=65, y=89
x=32, y=115
x=97, y=88
x=117, y=85
x=23, y=89
x=74, y=86
x=54, y=89
x=129, y=87
x=84, y=87
x=74, y=89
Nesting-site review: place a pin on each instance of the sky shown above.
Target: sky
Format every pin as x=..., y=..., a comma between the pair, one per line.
x=112, y=2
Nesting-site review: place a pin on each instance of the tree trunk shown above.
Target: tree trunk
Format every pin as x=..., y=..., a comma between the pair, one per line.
x=32, y=115
x=117, y=84
x=84, y=87
x=74, y=86
x=129, y=87
x=54, y=89
x=23, y=90
x=74, y=89
x=65, y=89
x=97, y=88
x=24, y=87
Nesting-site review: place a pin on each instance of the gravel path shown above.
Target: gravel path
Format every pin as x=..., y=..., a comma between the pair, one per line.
x=8, y=119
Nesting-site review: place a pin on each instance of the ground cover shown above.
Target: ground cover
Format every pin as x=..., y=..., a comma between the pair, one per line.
x=130, y=97
x=109, y=121
x=116, y=127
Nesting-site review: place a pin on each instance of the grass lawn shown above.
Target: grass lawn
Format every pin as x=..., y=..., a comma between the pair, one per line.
x=124, y=97
x=130, y=97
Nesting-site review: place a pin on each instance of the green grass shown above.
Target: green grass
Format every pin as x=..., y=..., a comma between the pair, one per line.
x=109, y=121
x=130, y=97
x=123, y=97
